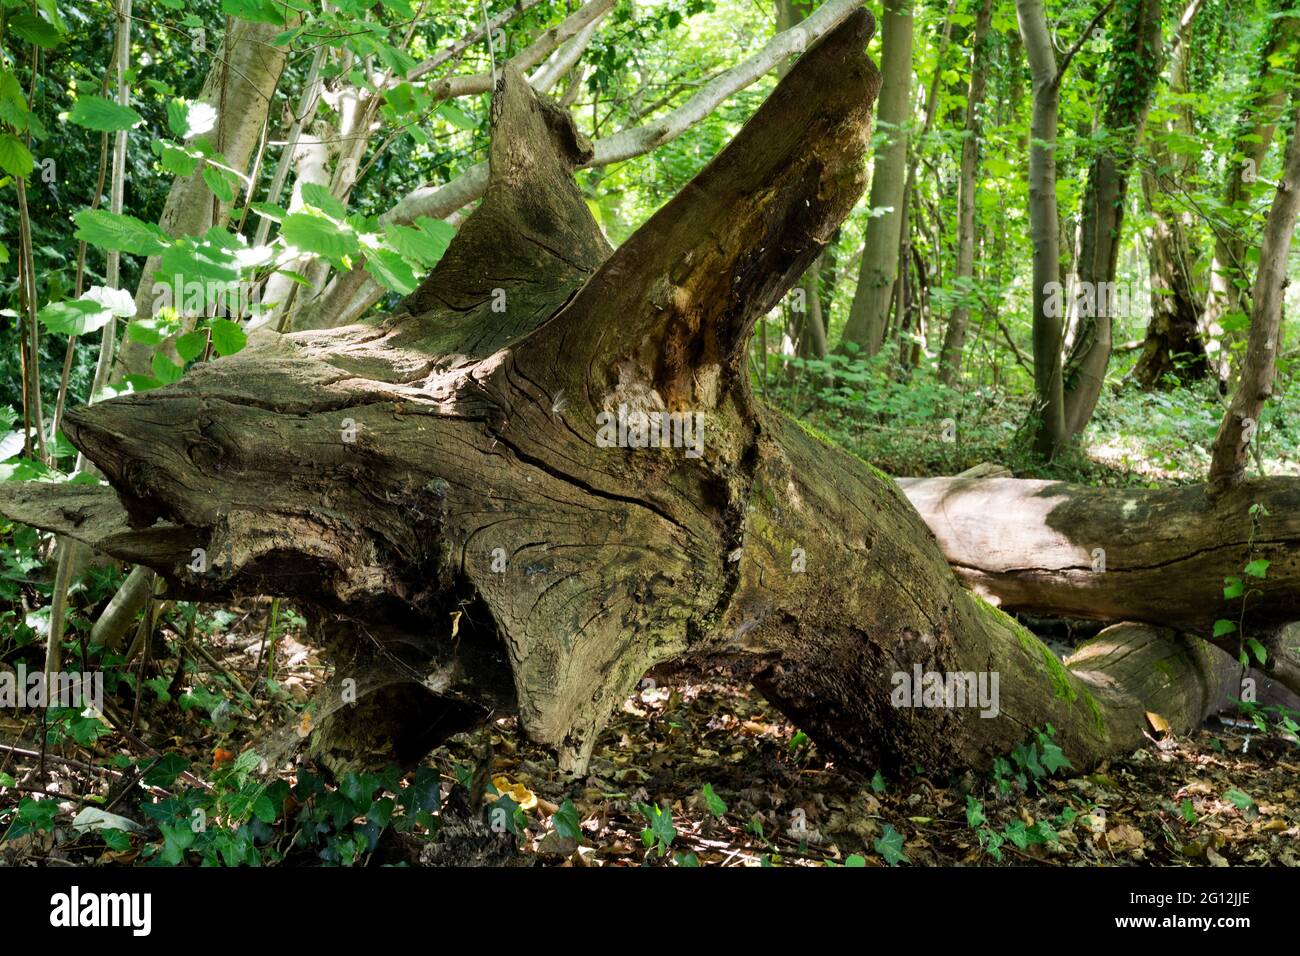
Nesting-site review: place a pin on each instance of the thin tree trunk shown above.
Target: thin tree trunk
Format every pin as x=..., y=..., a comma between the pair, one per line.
x=1044, y=228
x=1173, y=348
x=73, y=554
x=869, y=313
x=906, y=292
x=1136, y=68
x=1229, y=270
x=1240, y=423
x=954, y=339
x=242, y=81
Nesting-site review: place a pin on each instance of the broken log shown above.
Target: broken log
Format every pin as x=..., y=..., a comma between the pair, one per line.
x=528, y=509
x=1154, y=555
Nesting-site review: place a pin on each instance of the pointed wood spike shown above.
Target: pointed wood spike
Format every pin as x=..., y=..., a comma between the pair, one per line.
x=530, y=243
x=681, y=295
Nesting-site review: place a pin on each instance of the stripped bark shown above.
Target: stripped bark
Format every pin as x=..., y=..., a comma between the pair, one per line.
x=1158, y=556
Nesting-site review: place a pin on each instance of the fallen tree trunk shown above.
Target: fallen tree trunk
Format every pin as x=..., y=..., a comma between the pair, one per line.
x=1127, y=554
x=475, y=489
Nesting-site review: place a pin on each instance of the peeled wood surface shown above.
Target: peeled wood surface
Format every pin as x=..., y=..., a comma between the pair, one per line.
x=1029, y=545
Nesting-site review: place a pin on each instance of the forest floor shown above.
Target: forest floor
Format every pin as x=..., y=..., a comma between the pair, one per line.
x=740, y=784
x=697, y=768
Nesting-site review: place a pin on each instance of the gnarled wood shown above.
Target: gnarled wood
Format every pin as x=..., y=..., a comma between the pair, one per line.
x=436, y=485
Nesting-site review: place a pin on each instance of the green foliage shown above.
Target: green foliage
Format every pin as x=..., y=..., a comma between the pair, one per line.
x=1030, y=763
x=658, y=837
x=715, y=804
x=890, y=846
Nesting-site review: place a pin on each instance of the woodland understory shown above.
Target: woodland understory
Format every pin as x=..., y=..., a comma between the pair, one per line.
x=627, y=497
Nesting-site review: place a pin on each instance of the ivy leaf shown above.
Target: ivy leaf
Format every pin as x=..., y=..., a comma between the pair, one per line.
x=1017, y=833
x=661, y=831
x=424, y=793
x=176, y=840
x=974, y=812
x=566, y=821
x=264, y=809
x=119, y=841
x=714, y=802
x=855, y=860
x=1222, y=627
x=890, y=846
x=1054, y=758
x=166, y=770
x=1257, y=649
x=103, y=116
x=1233, y=588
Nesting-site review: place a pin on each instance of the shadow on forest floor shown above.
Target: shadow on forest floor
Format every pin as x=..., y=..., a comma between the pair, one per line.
x=741, y=786
x=1177, y=802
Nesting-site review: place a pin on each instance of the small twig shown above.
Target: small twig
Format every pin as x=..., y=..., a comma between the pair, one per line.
x=67, y=761
x=54, y=793
x=1078, y=44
